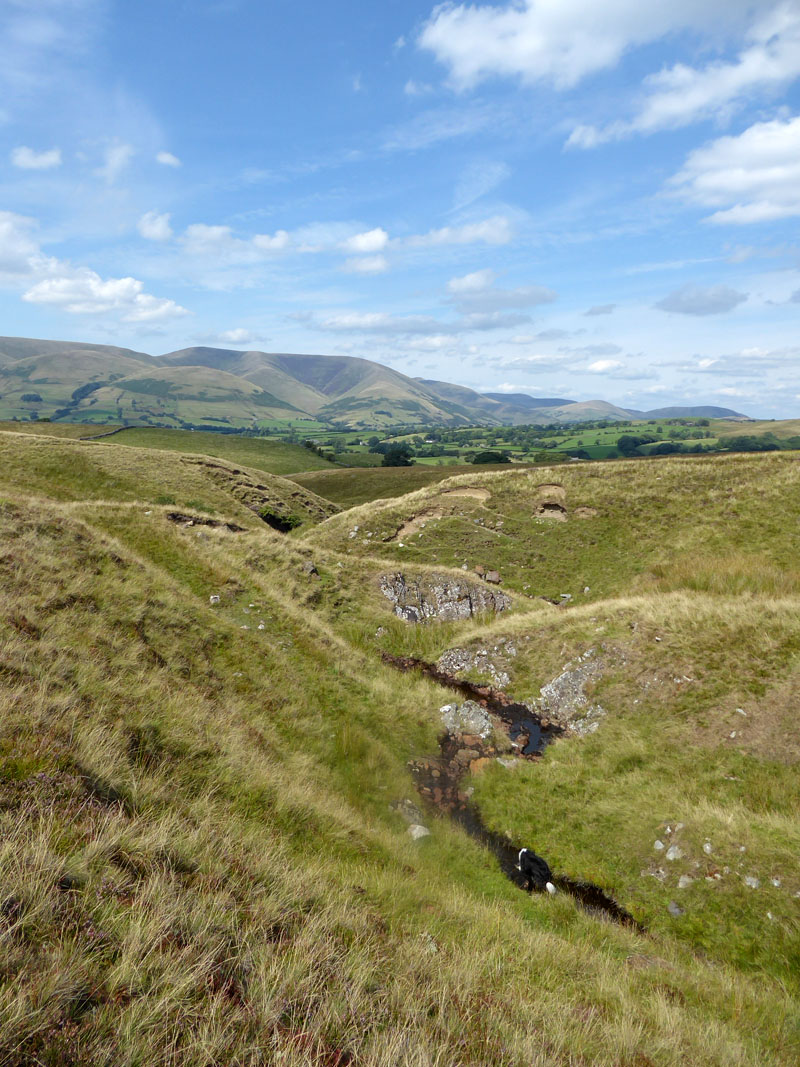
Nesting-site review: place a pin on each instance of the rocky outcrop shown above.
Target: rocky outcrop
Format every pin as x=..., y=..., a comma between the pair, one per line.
x=439, y=596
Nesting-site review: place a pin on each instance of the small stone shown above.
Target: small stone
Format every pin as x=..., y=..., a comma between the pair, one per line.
x=732, y=734
x=751, y=881
x=658, y=639
x=674, y=853
x=770, y=916
x=417, y=832
x=464, y=567
x=707, y=848
x=493, y=577
x=674, y=909
x=148, y=513
x=776, y=882
x=741, y=711
x=213, y=599
x=586, y=589
x=684, y=881
x=658, y=846
x=261, y=626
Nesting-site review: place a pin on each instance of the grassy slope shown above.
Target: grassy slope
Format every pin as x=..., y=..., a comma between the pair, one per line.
x=198, y=860
x=276, y=457
x=69, y=470
x=55, y=429
x=351, y=487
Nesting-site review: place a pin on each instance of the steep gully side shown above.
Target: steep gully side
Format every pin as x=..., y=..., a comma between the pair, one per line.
x=439, y=780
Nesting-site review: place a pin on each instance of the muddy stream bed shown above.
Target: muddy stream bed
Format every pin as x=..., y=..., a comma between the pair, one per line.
x=440, y=780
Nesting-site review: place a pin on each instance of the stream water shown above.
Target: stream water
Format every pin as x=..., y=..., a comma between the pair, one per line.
x=439, y=781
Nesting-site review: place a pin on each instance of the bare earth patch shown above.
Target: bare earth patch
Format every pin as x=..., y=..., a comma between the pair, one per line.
x=417, y=522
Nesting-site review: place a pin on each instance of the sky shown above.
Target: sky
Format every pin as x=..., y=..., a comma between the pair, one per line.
x=556, y=197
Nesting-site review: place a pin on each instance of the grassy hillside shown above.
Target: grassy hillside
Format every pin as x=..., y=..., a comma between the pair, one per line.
x=359, y=485
x=199, y=857
x=276, y=457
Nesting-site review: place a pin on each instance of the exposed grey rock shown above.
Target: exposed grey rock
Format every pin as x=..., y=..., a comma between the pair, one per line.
x=684, y=881
x=674, y=853
x=439, y=596
x=213, y=599
x=466, y=718
x=565, y=699
x=493, y=577
x=489, y=660
x=674, y=909
x=751, y=881
x=658, y=846
x=310, y=569
x=707, y=848
x=408, y=810
x=417, y=832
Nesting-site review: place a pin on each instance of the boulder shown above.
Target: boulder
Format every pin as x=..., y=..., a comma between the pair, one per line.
x=466, y=718
x=417, y=832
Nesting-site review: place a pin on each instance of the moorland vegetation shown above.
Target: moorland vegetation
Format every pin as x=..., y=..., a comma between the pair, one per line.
x=204, y=760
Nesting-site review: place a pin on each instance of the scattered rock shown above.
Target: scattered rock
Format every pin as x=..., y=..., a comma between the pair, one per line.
x=417, y=832
x=658, y=846
x=489, y=660
x=674, y=909
x=776, y=882
x=493, y=577
x=310, y=569
x=707, y=848
x=213, y=599
x=674, y=853
x=751, y=881
x=684, y=881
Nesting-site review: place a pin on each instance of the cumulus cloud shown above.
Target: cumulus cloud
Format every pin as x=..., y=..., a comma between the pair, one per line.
x=746, y=363
x=167, y=159
x=19, y=250
x=492, y=231
x=475, y=293
x=74, y=289
x=81, y=291
x=370, y=241
x=237, y=336
x=477, y=281
x=366, y=265
x=700, y=300
x=27, y=159
x=682, y=94
x=558, y=41
x=154, y=227
x=219, y=243
x=600, y=309
x=603, y=366
x=116, y=158
x=752, y=177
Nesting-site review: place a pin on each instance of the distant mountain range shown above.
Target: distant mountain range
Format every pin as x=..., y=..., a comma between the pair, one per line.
x=218, y=388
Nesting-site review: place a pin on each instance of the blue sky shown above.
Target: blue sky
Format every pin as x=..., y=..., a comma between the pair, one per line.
x=557, y=197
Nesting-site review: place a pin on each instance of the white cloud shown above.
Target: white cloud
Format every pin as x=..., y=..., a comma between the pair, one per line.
x=237, y=336
x=154, y=227
x=81, y=291
x=700, y=300
x=477, y=180
x=27, y=159
x=603, y=366
x=378, y=322
x=167, y=159
x=559, y=41
x=493, y=231
x=275, y=242
x=474, y=282
x=77, y=290
x=474, y=294
x=115, y=160
x=754, y=177
x=414, y=88
x=366, y=265
x=18, y=248
x=370, y=241
x=600, y=309
x=682, y=94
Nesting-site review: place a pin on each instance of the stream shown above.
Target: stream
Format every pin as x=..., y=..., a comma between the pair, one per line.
x=439, y=780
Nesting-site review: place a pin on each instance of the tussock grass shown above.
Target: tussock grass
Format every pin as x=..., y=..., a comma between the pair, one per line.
x=198, y=860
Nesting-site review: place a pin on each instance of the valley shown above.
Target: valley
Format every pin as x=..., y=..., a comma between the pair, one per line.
x=209, y=768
